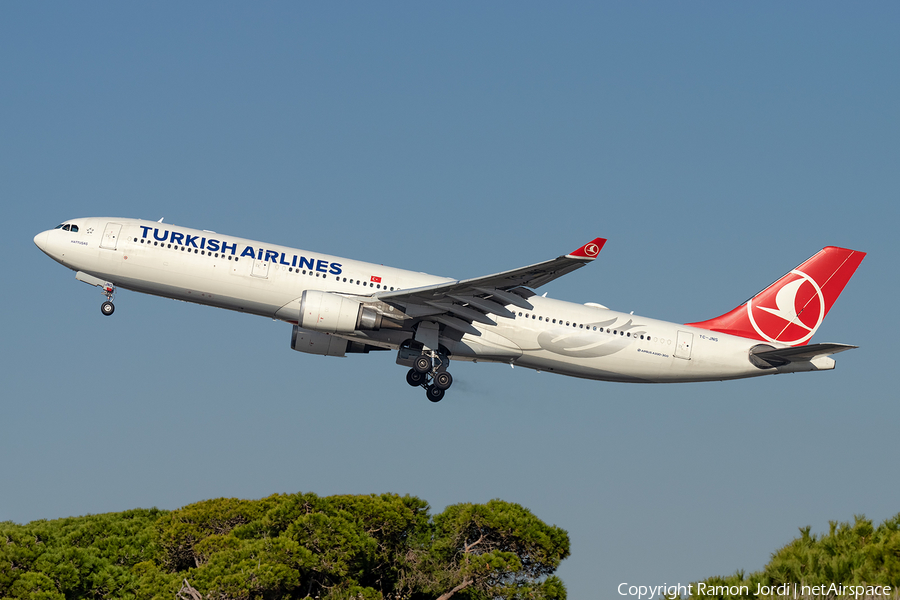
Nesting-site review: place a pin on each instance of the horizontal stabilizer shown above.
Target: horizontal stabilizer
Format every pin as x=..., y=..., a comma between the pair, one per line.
x=783, y=356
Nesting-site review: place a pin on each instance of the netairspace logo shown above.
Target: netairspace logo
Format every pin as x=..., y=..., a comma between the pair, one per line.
x=785, y=590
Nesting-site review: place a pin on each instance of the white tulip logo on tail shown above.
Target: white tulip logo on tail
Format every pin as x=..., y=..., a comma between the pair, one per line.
x=592, y=249
x=799, y=310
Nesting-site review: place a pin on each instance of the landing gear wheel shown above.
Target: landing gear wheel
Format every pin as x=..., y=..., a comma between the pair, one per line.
x=414, y=378
x=422, y=364
x=443, y=380
x=435, y=394
x=107, y=308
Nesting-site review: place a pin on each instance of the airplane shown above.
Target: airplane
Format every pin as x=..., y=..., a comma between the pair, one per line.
x=338, y=306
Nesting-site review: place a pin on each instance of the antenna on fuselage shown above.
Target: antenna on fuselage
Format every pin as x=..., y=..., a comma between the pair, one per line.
x=160, y=220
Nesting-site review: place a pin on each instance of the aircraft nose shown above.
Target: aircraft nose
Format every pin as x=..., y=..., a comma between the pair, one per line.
x=40, y=240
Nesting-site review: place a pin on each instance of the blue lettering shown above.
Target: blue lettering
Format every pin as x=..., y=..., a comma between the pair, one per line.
x=306, y=263
x=335, y=269
x=294, y=262
x=225, y=248
x=190, y=240
x=271, y=255
x=146, y=229
x=282, y=261
x=213, y=245
x=177, y=238
x=260, y=254
x=322, y=266
x=163, y=238
x=249, y=251
x=202, y=243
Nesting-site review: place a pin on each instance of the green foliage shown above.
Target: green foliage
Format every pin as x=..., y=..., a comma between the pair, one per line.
x=180, y=531
x=493, y=550
x=848, y=554
x=288, y=546
x=76, y=557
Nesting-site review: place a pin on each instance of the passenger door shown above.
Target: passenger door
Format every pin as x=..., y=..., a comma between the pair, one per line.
x=260, y=269
x=683, y=345
x=111, y=236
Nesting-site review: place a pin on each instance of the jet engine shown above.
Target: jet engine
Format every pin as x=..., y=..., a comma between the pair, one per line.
x=315, y=342
x=332, y=313
x=325, y=344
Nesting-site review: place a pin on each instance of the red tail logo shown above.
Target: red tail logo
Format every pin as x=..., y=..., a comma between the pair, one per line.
x=791, y=310
x=589, y=250
x=800, y=295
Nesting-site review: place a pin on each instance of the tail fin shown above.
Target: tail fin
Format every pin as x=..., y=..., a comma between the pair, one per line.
x=790, y=310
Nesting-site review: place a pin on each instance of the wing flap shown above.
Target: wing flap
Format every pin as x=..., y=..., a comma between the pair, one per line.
x=487, y=306
x=461, y=311
x=457, y=324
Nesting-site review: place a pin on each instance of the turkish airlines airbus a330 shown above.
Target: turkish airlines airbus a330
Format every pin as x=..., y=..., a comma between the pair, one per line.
x=339, y=306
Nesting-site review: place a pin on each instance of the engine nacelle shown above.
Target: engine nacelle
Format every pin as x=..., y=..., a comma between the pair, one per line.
x=325, y=344
x=316, y=342
x=332, y=313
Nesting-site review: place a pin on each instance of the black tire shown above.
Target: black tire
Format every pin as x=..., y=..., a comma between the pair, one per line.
x=414, y=378
x=422, y=364
x=434, y=394
x=443, y=380
x=107, y=308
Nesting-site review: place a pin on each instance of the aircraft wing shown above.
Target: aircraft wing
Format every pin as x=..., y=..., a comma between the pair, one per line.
x=458, y=303
x=783, y=356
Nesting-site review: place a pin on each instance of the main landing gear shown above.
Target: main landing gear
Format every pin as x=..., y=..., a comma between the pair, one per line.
x=108, y=308
x=429, y=371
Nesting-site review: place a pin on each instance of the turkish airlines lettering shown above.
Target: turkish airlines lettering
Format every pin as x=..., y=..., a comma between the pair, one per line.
x=339, y=306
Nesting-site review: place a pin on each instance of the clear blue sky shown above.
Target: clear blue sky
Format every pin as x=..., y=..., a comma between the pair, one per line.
x=716, y=145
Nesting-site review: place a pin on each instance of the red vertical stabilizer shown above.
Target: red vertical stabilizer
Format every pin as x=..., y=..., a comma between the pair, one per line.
x=790, y=310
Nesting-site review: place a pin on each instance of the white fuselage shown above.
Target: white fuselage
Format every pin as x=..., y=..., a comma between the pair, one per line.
x=266, y=279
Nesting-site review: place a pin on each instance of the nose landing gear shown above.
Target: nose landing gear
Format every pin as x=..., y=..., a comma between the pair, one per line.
x=108, y=308
x=106, y=287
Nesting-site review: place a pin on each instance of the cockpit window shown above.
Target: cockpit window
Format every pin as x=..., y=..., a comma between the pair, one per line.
x=66, y=227
x=74, y=228
x=60, y=226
